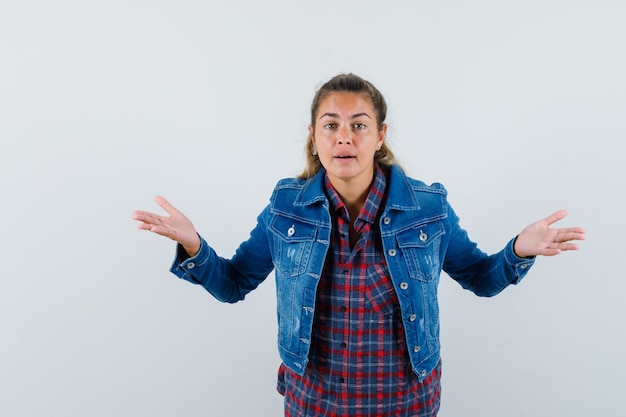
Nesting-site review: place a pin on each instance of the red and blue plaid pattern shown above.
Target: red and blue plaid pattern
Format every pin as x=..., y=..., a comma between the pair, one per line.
x=359, y=365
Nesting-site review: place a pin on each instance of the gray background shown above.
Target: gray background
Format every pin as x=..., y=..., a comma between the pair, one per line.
x=517, y=107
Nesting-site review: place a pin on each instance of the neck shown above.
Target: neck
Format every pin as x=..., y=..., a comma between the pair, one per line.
x=354, y=201
x=352, y=193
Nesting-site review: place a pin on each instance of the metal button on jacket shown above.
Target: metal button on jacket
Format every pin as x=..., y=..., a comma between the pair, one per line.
x=404, y=285
x=423, y=236
x=291, y=231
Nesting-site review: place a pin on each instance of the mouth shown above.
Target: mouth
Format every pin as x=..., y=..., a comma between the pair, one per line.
x=344, y=157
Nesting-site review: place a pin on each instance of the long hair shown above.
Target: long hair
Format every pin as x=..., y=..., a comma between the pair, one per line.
x=352, y=84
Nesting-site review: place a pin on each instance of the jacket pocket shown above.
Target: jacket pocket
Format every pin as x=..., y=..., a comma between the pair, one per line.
x=420, y=247
x=292, y=241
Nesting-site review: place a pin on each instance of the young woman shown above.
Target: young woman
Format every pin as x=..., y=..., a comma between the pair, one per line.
x=357, y=248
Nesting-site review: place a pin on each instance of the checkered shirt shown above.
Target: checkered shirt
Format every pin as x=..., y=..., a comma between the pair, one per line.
x=358, y=362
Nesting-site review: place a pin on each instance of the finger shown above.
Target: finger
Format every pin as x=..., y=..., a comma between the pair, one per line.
x=141, y=215
x=550, y=252
x=165, y=205
x=144, y=226
x=154, y=228
x=558, y=248
x=147, y=217
x=565, y=235
x=569, y=246
x=572, y=230
x=555, y=217
x=160, y=230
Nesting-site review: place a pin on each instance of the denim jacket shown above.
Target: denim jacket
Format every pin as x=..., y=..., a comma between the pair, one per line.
x=421, y=237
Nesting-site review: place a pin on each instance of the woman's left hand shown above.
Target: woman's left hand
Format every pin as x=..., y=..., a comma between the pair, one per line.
x=540, y=239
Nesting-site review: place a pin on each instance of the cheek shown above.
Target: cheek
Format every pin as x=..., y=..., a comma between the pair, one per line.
x=323, y=140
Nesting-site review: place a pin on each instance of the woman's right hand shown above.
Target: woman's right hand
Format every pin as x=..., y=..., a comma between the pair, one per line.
x=175, y=226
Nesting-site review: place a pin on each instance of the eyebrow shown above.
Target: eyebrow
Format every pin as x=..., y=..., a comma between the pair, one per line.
x=354, y=116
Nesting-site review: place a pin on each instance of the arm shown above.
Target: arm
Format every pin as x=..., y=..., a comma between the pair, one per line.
x=228, y=280
x=487, y=275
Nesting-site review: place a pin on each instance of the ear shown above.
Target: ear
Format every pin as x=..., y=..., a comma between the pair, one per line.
x=311, y=133
x=382, y=135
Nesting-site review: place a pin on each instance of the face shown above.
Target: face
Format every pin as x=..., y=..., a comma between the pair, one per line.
x=346, y=137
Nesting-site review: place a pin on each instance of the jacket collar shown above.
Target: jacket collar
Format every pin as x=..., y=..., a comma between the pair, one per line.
x=400, y=195
x=312, y=191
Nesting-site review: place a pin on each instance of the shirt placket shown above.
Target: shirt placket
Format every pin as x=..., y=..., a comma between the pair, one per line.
x=345, y=309
x=353, y=290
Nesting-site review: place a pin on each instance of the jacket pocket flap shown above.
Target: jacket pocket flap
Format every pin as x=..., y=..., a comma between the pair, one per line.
x=291, y=230
x=420, y=236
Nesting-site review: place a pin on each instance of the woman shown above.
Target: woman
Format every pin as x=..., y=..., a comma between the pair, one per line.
x=357, y=248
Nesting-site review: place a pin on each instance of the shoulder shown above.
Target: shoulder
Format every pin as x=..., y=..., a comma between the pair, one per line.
x=414, y=201
x=290, y=183
x=297, y=192
x=399, y=178
x=420, y=186
x=288, y=189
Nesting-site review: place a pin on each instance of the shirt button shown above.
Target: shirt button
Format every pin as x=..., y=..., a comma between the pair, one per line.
x=392, y=252
x=412, y=317
x=191, y=265
x=404, y=285
x=416, y=349
x=386, y=220
x=344, y=345
x=343, y=308
x=342, y=380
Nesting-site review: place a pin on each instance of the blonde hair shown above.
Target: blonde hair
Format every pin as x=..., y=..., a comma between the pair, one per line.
x=353, y=84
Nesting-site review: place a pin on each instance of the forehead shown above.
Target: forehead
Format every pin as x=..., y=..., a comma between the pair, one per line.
x=345, y=103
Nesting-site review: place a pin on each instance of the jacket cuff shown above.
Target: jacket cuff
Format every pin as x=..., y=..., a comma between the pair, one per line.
x=521, y=265
x=184, y=266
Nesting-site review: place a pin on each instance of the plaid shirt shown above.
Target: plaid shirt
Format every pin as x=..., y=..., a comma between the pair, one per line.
x=359, y=365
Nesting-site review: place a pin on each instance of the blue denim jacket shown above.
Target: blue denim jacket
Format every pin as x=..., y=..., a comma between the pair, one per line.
x=420, y=234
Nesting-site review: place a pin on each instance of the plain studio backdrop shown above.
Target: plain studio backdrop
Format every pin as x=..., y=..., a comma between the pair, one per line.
x=518, y=108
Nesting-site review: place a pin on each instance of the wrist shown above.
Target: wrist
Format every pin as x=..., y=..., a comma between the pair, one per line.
x=192, y=248
x=517, y=252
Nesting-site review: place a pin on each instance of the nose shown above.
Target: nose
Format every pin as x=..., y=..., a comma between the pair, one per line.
x=344, y=135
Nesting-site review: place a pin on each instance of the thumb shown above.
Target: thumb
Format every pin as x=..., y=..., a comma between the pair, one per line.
x=555, y=217
x=165, y=205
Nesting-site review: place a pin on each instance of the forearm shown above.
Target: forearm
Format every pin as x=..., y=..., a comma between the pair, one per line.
x=488, y=275
x=228, y=280
x=206, y=268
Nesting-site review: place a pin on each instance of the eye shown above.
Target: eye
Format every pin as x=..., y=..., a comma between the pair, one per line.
x=359, y=126
x=330, y=126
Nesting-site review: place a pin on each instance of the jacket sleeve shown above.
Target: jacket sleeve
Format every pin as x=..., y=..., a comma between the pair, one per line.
x=485, y=275
x=229, y=280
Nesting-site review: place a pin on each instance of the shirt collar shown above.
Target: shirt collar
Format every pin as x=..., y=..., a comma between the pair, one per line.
x=372, y=202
